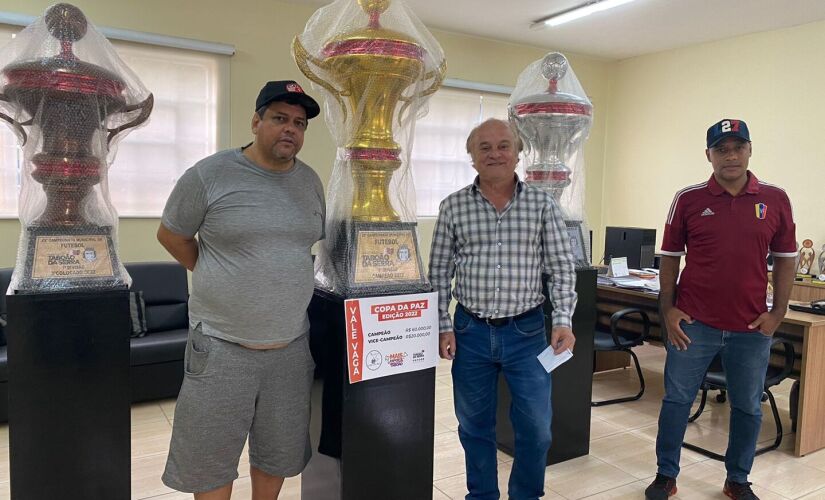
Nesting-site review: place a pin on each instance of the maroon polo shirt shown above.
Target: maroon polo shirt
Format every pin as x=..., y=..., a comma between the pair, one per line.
x=727, y=238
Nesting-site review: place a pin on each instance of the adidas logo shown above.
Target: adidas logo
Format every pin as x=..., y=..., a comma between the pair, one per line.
x=707, y=212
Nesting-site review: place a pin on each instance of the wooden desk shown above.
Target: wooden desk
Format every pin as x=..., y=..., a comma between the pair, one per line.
x=805, y=331
x=807, y=292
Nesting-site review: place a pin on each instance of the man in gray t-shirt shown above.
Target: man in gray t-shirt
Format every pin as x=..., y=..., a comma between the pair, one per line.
x=243, y=221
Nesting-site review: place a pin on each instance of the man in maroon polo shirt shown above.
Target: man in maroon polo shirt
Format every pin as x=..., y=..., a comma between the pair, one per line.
x=724, y=227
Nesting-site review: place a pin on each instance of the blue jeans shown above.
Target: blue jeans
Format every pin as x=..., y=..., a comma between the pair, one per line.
x=745, y=357
x=482, y=351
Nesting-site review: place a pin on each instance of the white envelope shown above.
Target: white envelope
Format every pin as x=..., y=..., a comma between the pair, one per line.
x=550, y=360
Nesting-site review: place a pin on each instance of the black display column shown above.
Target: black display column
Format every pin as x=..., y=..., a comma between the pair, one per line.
x=572, y=383
x=372, y=440
x=69, y=396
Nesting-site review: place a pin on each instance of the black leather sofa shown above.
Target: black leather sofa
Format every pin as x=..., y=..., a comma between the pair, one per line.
x=156, y=370
x=5, y=278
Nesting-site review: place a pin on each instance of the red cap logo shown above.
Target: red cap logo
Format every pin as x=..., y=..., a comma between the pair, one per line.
x=294, y=87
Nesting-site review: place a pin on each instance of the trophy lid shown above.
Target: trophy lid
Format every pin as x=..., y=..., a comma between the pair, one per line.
x=559, y=103
x=61, y=55
x=63, y=72
x=376, y=64
x=373, y=39
x=561, y=93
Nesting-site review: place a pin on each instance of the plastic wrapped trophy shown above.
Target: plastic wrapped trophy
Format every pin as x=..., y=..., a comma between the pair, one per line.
x=553, y=116
x=376, y=65
x=69, y=97
x=821, y=276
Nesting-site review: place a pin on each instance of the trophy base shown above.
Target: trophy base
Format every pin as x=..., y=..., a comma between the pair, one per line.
x=61, y=259
x=378, y=258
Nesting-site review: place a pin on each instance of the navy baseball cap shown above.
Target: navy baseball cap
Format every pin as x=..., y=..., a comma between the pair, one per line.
x=288, y=91
x=727, y=128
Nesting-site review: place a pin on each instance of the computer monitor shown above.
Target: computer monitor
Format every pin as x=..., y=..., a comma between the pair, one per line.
x=635, y=243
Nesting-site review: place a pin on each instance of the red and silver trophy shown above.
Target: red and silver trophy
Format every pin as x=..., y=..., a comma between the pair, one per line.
x=553, y=117
x=69, y=97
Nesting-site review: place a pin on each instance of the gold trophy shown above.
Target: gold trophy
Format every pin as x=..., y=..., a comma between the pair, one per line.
x=368, y=72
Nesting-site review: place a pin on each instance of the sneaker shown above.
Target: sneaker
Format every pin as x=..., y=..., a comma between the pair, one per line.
x=661, y=488
x=739, y=491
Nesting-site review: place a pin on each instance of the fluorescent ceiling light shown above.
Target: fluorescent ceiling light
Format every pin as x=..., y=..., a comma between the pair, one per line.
x=578, y=12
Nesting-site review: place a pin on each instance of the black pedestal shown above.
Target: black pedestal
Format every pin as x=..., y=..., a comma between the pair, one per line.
x=572, y=384
x=69, y=396
x=373, y=440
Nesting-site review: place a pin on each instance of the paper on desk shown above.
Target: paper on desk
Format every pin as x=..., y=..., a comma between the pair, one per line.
x=550, y=360
x=617, y=267
x=631, y=282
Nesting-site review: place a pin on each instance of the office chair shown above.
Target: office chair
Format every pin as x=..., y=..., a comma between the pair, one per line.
x=616, y=340
x=715, y=380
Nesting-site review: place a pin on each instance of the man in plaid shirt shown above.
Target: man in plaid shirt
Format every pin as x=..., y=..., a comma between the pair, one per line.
x=497, y=237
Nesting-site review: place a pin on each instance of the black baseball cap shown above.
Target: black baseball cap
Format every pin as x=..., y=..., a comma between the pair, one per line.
x=727, y=128
x=288, y=91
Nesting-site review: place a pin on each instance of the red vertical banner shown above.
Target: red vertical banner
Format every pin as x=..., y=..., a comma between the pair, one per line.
x=355, y=339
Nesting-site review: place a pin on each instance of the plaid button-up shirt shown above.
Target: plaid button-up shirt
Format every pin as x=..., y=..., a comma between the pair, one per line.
x=498, y=258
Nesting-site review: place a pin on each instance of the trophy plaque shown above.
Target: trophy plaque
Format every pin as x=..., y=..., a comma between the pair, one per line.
x=553, y=116
x=375, y=79
x=66, y=113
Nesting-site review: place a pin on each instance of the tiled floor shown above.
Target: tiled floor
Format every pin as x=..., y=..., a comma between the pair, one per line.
x=621, y=463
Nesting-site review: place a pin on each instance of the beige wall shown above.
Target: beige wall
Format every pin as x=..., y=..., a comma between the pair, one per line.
x=662, y=104
x=261, y=33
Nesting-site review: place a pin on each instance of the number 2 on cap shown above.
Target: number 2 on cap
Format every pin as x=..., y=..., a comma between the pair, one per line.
x=728, y=126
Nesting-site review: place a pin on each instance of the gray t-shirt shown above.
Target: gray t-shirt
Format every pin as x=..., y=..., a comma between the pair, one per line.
x=254, y=278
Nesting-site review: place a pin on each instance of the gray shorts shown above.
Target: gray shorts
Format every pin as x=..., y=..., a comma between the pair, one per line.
x=230, y=392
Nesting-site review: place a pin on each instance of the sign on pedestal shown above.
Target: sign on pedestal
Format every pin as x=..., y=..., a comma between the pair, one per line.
x=391, y=334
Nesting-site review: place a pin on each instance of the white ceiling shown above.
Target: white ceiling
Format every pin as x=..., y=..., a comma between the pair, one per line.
x=641, y=27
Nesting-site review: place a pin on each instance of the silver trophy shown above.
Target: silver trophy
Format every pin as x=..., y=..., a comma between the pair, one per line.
x=553, y=117
x=821, y=276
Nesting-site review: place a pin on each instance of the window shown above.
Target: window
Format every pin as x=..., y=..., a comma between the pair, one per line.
x=189, y=88
x=181, y=131
x=439, y=157
x=10, y=155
